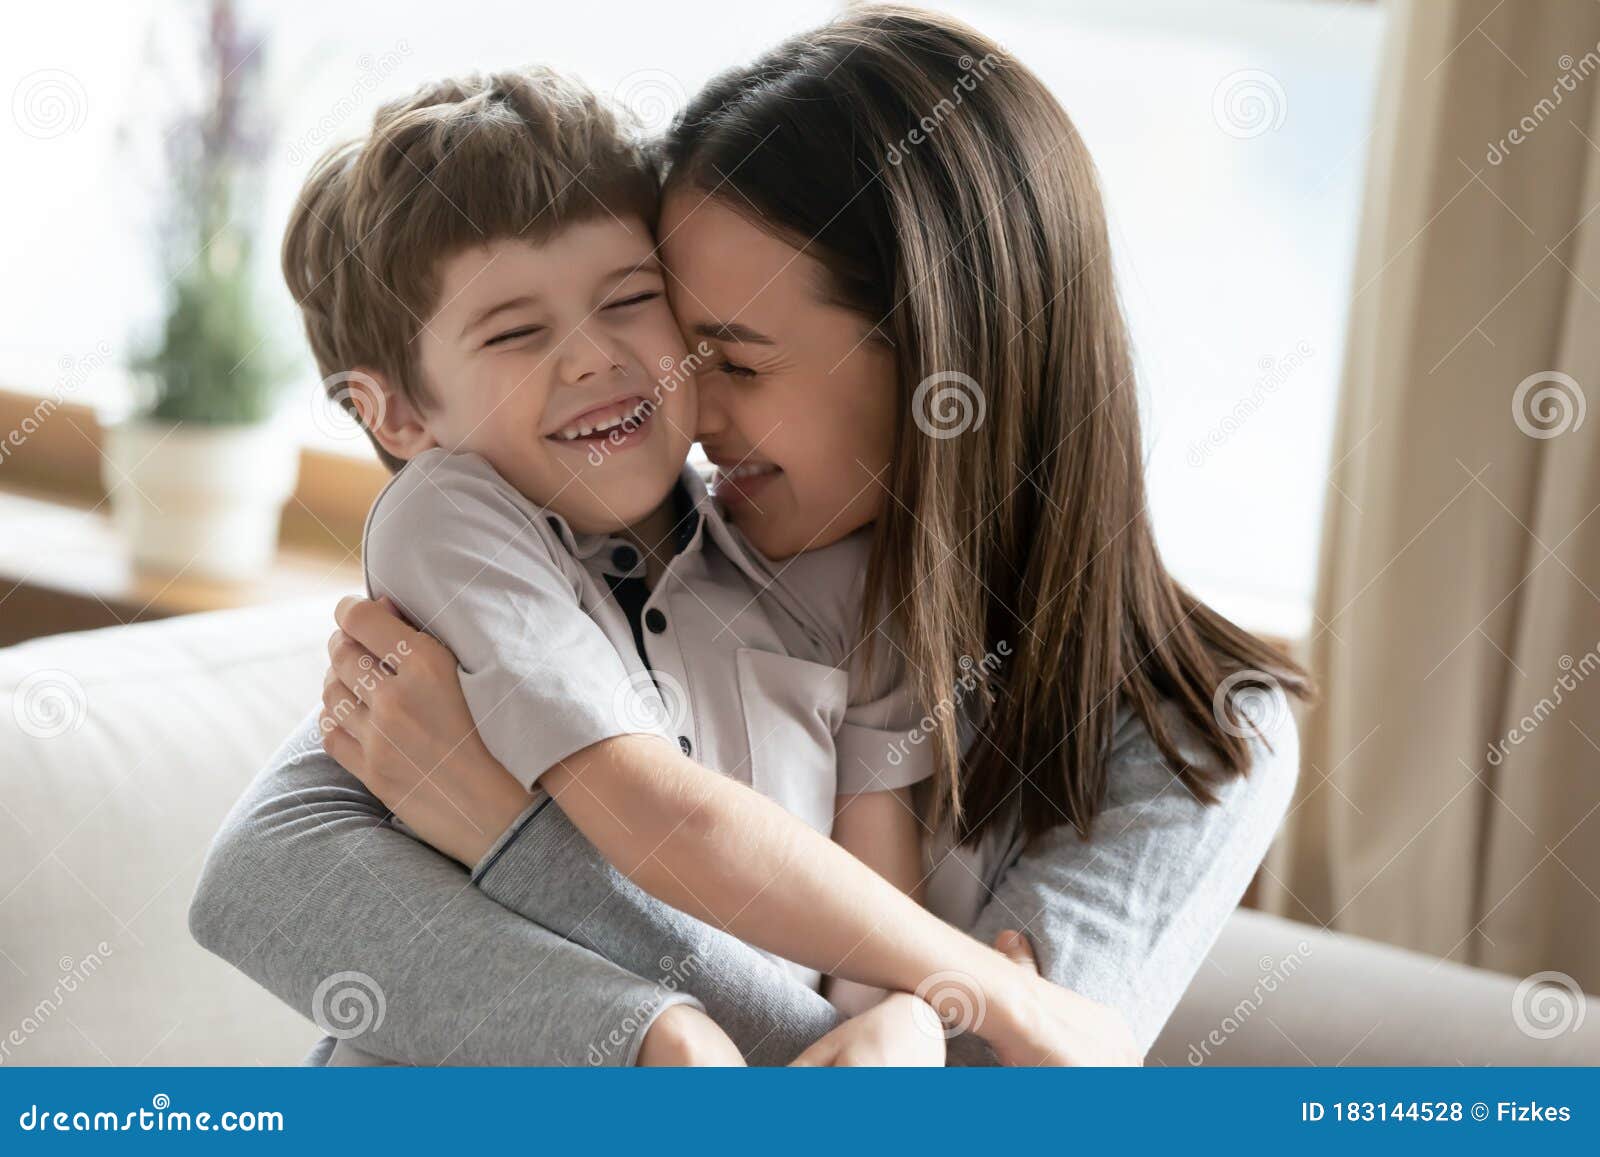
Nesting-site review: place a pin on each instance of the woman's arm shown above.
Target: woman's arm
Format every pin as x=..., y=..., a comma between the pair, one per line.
x=1127, y=918
x=305, y=882
x=706, y=845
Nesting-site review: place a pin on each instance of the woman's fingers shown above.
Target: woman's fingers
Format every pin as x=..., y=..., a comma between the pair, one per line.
x=342, y=708
x=378, y=629
x=355, y=666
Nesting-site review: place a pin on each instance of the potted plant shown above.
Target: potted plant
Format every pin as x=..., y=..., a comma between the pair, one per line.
x=199, y=474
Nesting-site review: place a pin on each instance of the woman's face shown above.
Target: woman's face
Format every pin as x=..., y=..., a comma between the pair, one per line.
x=797, y=405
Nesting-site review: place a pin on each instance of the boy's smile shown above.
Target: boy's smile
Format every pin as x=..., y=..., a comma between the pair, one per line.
x=550, y=360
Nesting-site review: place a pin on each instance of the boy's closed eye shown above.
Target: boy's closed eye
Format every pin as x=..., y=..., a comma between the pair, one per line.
x=510, y=335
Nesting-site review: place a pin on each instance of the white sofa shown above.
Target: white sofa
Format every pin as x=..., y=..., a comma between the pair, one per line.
x=120, y=751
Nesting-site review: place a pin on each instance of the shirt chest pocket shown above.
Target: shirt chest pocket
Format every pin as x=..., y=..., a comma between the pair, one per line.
x=792, y=709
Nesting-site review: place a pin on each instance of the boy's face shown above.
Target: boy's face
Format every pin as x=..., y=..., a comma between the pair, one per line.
x=532, y=344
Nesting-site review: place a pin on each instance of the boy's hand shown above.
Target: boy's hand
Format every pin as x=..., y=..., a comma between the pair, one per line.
x=901, y=1031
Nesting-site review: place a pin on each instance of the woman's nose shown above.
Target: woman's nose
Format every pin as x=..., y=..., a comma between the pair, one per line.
x=713, y=418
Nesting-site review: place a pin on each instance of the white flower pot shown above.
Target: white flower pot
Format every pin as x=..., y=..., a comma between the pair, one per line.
x=199, y=499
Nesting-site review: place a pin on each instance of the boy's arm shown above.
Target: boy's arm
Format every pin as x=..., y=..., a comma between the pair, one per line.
x=883, y=831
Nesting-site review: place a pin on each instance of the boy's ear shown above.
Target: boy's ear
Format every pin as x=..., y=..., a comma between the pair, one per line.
x=391, y=417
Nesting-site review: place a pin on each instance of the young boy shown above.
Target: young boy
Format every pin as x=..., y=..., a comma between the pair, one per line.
x=483, y=265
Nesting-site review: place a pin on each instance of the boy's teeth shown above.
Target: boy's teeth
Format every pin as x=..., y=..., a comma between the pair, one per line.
x=640, y=412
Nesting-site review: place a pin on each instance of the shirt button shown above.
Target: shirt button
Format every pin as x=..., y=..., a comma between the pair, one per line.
x=655, y=620
x=625, y=558
x=684, y=745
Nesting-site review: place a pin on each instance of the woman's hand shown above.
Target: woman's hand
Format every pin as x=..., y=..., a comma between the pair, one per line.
x=395, y=718
x=899, y=1031
x=1044, y=1024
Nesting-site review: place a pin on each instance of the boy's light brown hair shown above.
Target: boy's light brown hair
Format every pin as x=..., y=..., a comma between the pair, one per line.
x=458, y=163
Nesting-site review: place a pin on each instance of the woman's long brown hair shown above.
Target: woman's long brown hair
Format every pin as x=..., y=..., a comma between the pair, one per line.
x=955, y=207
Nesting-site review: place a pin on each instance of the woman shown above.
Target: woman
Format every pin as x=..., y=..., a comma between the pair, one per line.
x=889, y=216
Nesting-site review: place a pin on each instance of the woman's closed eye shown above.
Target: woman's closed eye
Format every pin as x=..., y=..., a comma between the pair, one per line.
x=733, y=370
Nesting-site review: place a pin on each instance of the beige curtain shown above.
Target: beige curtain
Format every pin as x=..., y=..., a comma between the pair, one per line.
x=1450, y=794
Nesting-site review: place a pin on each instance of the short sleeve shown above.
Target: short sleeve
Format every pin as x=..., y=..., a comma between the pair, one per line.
x=469, y=560
x=885, y=740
